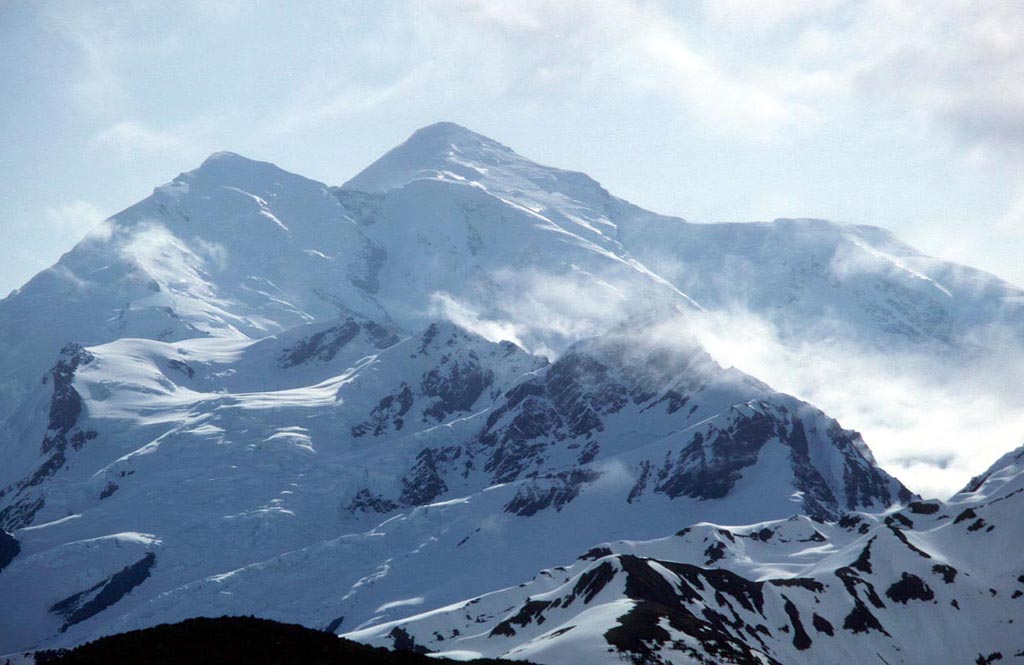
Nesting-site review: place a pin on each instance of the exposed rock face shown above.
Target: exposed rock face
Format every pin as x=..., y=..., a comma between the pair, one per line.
x=709, y=472
x=456, y=387
x=61, y=438
x=423, y=483
x=389, y=414
x=323, y=346
x=579, y=403
x=364, y=501
x=9, y=548
x=66, y=404
x=552, y=491
x=86, y=604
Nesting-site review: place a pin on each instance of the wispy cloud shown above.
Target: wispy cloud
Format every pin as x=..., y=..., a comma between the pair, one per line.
x=444, y=305
x=317, y=106
x=97, y=87
x=963, y=67
x=129, y=137
x=1013, y=221
x=73, y=220
x=571, y=48
x=930, y=421
x=958, y=67
x=766, y=71
x=745, y=70
x=543, y=311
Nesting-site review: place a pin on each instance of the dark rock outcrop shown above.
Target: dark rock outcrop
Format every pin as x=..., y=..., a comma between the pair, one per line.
x=86, y=604
x=323, y=346
x=424, y=482
x=9, y=549
x=552, y=491
x=61, y=435
x=388, y=415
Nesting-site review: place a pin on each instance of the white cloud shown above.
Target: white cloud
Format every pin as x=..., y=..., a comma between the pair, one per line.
x=740, y=68
x=338, y=101
x=931, y=422
x=958, y=65
x=461, y=314
x=965, y=66
x=770, y=70
x=561, y=50
x=128, y=138
x=97, y=87
x=761, y=16
x=1013, y=221
x=75, y=219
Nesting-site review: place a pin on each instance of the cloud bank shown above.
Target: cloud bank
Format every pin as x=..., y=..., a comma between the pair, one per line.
x=931, y=420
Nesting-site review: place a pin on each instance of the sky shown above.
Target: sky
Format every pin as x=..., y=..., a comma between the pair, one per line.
x=906, y=115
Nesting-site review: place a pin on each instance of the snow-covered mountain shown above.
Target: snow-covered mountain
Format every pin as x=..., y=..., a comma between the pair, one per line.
x=454, y=223
x=935, y=582
x=252, y=393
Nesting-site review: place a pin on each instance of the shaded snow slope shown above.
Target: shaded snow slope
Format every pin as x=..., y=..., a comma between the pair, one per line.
x=344, y=474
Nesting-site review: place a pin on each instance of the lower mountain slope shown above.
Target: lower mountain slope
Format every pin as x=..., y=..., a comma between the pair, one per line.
x=346, y=474
x=931, y=582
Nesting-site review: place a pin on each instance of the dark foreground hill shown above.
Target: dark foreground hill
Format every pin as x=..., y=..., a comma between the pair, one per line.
x=228, y=640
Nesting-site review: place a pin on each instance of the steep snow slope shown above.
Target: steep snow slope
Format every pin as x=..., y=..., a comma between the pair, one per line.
x=446, y=152
x=852, y=281
x=929, y=583
x=234, y=249
x=342, y=474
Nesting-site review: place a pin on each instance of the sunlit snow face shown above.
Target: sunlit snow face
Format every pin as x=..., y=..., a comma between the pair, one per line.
x=889, y=113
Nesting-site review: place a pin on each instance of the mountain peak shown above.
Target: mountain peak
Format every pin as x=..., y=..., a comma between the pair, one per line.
x=450, y=132
x=447, y=152
x=225, y=162
x=229, y=169
x=441, y=151
x=225, y=155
